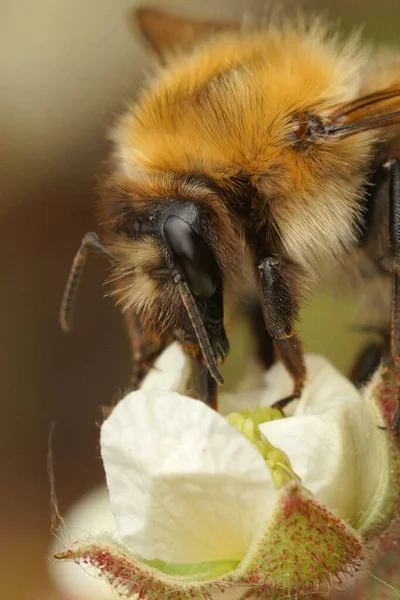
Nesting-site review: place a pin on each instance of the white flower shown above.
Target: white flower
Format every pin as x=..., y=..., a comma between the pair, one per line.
x=285, y=506
x=185, y=486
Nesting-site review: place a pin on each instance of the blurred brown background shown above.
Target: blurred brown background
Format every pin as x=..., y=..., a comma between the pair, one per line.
x=67, y=66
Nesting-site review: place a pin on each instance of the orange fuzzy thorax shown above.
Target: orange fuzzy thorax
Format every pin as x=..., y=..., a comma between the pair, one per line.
x=225, y=109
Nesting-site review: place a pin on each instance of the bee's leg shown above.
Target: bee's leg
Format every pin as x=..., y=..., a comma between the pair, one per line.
x=392, y=262
x=366, y=363
x=280, y=309
x=264, y=342
x=145, y=348
x=205, y=385
x=371, y=356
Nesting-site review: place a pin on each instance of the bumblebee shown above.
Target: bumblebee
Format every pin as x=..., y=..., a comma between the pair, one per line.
x=266, y=155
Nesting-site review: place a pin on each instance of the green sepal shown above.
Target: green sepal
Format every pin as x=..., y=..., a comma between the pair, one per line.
x=203, y=570
x=382, y=396
x=302, y=547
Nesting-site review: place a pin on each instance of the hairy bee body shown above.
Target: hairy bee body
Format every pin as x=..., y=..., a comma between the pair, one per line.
x=219, y=117
x=271, y=144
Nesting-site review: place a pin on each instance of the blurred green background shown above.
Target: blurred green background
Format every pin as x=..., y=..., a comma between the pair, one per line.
x=67, y=67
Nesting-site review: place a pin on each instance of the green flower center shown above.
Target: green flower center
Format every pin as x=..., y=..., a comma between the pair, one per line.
x=247, y=423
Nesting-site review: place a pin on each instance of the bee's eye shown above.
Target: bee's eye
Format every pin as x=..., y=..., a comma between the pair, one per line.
x=192, y=256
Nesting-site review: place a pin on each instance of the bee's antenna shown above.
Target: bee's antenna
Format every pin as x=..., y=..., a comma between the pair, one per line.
x=199, y=329
x=90, y=241
x=346, y=129
x=344, y=110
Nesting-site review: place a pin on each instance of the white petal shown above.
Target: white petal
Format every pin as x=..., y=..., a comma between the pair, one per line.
x=322, y=454
x=332, y=439
x=185, y=486
x=325, y=387
x=375, y=459
x=171, y=371
x=278, y=384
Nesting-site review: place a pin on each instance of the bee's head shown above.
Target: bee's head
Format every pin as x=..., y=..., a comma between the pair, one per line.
x=172, y=260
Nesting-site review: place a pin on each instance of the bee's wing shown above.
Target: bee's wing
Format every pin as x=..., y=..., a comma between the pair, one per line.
x=167, y=33
x=377, y=110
